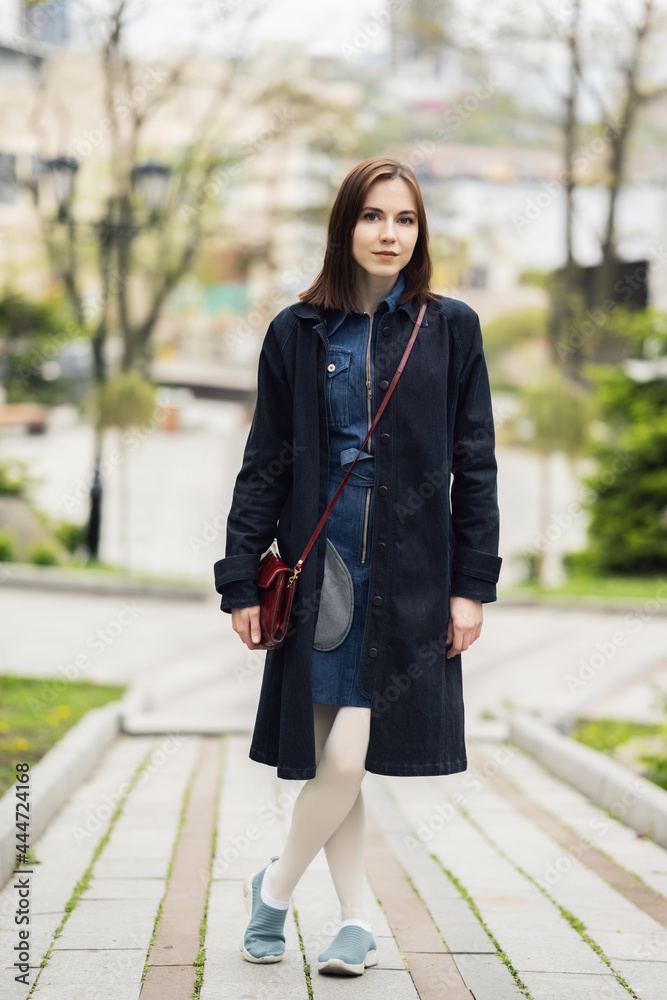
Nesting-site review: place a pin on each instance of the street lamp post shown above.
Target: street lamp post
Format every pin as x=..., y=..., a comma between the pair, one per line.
x=151, y=180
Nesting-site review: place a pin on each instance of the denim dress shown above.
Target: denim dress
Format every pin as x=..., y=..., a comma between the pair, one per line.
x=349, y=527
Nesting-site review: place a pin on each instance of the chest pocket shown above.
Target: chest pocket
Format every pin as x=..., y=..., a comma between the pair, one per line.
x=338, y=386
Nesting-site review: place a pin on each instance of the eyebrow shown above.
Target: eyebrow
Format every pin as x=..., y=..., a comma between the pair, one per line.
x=369, y=208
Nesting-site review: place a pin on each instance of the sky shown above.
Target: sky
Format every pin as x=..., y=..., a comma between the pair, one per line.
x=324, y=26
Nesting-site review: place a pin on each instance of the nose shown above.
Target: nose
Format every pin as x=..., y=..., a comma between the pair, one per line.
x=388, y=233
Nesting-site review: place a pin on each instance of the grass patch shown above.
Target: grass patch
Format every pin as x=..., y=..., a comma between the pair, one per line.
x=628, y=587
x=36, y=711
x=607, y=735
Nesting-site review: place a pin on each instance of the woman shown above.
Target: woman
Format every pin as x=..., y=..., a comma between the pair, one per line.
x=369, y=676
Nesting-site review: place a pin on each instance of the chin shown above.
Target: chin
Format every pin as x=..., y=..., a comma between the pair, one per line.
x=384, y=266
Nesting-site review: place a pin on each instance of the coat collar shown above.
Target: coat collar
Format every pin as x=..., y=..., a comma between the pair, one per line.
x=307, y=311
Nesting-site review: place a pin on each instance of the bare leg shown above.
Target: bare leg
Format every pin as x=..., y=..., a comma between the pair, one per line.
x=325, y=801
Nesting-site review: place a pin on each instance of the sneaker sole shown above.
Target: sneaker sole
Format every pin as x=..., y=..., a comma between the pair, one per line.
x=247, y=894
x=337, y=967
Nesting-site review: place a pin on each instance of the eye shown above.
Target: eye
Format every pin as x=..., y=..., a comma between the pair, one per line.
x=368, y=215
x=408, y=219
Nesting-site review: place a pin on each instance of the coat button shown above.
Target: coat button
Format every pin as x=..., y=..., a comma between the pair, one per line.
x=372, y=652
x=384, y=384
x=381, y=546
x=331, y=367
x=377, y=601
x=385, y=438
x=382, y=490
x=386, y=331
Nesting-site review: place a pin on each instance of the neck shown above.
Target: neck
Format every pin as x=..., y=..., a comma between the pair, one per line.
x=370, y=289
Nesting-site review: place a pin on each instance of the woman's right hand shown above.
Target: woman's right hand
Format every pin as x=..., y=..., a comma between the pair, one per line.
x=245, y=622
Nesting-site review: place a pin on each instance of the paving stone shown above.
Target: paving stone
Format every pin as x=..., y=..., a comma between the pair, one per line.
x=124, y=888
x=49, y=895
x=648, y=979
x=374, y=984
x=128, y=868
x=162, y=850
x=42, y=928
x=573, y=986
x=634, y=947
x=108, y=923
x=173, y=982
x=460, y=928
x=487, y=977
x=81, y=991
x=101, y=967
x=11, y=990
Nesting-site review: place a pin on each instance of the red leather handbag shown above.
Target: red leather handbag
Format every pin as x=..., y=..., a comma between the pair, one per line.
x=276, y=580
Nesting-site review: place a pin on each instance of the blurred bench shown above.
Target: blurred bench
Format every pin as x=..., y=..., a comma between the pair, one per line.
x=29, y=415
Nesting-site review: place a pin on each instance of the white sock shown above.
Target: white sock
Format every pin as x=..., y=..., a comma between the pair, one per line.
x=354, y=922
x=276, y=903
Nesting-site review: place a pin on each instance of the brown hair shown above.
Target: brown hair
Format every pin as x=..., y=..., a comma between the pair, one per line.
x=335, y=285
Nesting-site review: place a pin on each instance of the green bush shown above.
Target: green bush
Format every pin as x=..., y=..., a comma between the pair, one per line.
x=6, y=547
x=14, y=478
x=628, y=492
x=580, y=563
x=43, y=554
x=71, y=535
x=31, y=332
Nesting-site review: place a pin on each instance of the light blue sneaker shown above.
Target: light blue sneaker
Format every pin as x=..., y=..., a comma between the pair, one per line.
x=264, y=936
x=350, y=953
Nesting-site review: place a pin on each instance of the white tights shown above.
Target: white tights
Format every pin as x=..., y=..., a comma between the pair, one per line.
x=329, y=811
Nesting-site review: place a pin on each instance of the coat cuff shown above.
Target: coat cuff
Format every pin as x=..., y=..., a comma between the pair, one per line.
x=473, y=587
x=239, y=594
x=474, y=562
x=240, y=567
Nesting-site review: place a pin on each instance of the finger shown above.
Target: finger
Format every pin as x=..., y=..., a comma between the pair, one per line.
x=255, y=631
x=457, y=636
x=461, y=640
x=244, y=630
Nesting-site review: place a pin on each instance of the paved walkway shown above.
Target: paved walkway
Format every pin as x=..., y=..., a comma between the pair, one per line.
x=471, y=892
x=497, y=883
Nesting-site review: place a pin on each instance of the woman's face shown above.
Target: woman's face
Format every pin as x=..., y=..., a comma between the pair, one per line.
x=386, y=231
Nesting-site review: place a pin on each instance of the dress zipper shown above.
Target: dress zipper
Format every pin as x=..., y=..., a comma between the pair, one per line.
x=368, y=405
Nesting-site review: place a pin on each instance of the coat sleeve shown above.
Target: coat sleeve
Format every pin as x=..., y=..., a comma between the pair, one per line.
x=262, y=484
x=474, y=502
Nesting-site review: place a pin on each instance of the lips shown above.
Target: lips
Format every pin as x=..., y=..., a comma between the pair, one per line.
x=385, y=253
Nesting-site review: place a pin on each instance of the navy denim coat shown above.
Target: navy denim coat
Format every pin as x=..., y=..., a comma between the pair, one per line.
x=436, y=528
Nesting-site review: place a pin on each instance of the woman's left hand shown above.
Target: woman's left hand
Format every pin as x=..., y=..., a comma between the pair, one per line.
x=465, y=624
